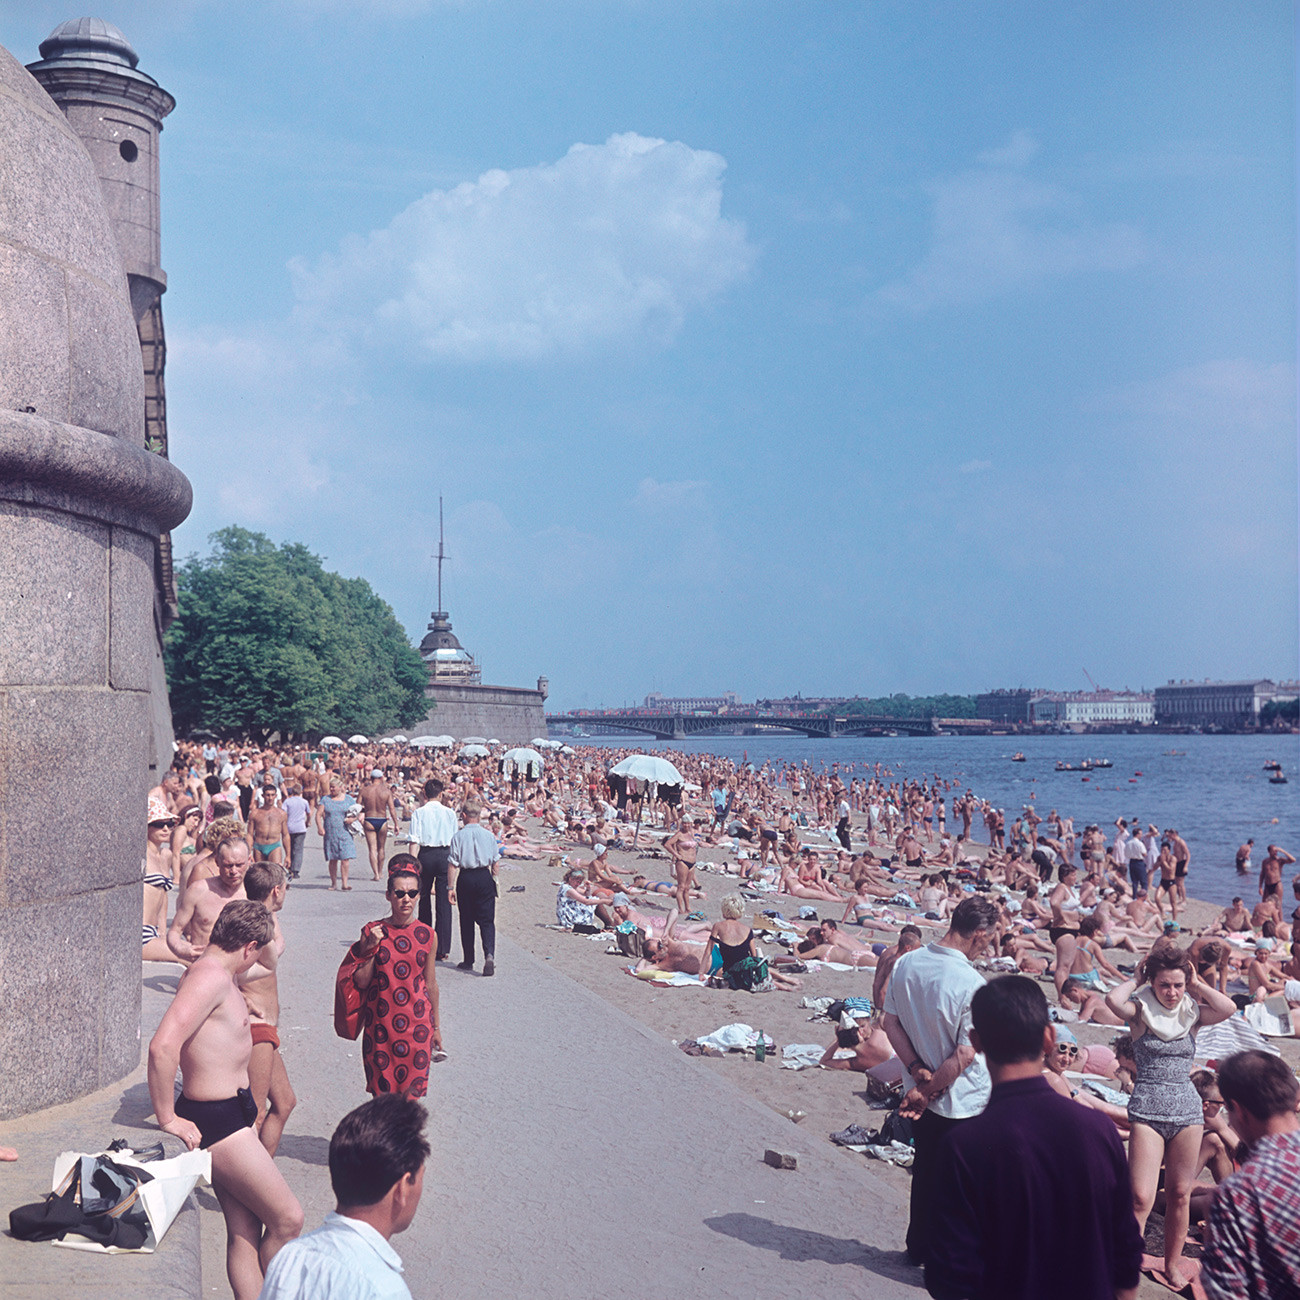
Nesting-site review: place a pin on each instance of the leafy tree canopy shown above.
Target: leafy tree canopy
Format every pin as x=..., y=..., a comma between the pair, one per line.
x=266, y=640
x=913, y=706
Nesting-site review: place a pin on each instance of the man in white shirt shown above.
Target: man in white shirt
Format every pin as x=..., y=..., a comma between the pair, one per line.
x=928, y=1023
x=432, y=826
x=377, y=1157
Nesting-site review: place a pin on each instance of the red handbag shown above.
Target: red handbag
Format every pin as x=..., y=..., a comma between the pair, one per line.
x=347, y=997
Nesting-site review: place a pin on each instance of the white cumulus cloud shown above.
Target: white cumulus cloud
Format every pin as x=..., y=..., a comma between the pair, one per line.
x=612, y=242
x=995, y=229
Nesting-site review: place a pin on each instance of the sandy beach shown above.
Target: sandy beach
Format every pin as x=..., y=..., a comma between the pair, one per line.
x=829, y=1099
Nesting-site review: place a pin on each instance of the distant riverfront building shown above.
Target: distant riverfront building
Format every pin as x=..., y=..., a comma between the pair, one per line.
x=687, y=704
x=1230, y=705
x=1094, y=708
x=1007, y=708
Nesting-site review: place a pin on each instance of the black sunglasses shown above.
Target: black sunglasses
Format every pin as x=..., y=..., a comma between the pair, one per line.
x=405, y=893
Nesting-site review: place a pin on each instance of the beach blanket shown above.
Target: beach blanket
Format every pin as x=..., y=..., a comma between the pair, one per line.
x=1218, y=1042
x=673, y=979
x=801, y=1056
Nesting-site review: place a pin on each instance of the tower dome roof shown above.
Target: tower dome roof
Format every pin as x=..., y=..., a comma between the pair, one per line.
x=90, y=40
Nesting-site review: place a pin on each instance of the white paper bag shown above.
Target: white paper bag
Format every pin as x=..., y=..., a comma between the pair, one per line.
x=171, y=1181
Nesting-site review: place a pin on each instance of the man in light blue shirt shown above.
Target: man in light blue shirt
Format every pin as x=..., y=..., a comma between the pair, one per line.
x=377, y=1157
x=472, y=885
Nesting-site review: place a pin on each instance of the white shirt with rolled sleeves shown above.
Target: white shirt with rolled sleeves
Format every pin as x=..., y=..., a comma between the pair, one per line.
x=432, y=825
x=929, y=991
x=344, y=1259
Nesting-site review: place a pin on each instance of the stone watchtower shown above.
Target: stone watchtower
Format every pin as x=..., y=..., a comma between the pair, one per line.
x=82, y=507
x=89, y=69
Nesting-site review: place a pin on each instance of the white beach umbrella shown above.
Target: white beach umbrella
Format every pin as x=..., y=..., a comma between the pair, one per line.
x=494, y=742
x=331, y=740
x=473, y=751
x=522, y=756
x=422, y=741
x=399, y=739
x=567, y=749
x=473, y=740
x=648, y=767
x=358, y=739
x=386, y=740
x=541, y=742
x=444, y=742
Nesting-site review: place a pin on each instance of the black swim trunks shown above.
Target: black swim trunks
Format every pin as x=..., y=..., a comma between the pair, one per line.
x=218, y=1119
x=1056, y=932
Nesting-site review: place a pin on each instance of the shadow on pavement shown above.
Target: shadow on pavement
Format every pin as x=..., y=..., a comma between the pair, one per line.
x=802, y=1245
x=135, y=1107
x=163, y=983
x=305, y=1148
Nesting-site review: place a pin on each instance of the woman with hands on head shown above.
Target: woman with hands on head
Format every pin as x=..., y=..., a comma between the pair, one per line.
x=1163, y=1007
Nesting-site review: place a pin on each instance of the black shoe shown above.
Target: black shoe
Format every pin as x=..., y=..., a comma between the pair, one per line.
x=464, y=965
x=489, y=966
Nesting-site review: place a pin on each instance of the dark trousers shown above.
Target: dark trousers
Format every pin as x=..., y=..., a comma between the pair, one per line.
x=433, y=880
x=928, y=1134
x=842, y=830
x=1137, y=873
x=476, y=897
x=296, y=841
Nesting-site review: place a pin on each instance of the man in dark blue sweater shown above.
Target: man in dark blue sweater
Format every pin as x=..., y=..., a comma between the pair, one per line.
x=1035, y=1197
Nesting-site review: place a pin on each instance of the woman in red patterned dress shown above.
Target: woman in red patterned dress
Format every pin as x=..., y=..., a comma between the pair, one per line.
x=400, y=982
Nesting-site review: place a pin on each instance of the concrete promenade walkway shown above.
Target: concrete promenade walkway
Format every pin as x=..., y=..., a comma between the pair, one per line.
x=575, y=1152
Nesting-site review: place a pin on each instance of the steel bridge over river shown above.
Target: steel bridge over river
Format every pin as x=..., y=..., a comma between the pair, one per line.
x=679, y=726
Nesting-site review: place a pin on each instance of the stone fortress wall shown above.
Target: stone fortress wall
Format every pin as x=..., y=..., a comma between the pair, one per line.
x=513, y=714
x=82, y=505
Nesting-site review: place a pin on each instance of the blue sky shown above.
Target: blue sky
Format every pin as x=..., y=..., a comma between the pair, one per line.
x=843, y=348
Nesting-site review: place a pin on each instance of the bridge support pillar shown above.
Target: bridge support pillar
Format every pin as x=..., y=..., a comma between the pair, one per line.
x=679, y=727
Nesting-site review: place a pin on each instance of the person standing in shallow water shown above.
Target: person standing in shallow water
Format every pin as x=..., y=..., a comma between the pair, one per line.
x=398, y=976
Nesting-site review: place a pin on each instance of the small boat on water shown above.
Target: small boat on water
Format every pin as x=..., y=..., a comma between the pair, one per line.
x=1278, y=778
x=1017, y=757
x=1101, y=762
x=1065, y=767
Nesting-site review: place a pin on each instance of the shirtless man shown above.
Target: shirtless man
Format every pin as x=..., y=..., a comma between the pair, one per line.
x=1182, y=860
x=1235, y=919
x=869, y=1047
x=202, y=902
x=268, y=829
x=671, y=954
x=205, y=1032
x=909, y=938
x=310, y=786
x=683, y=848
x=376, y=800
x=1270, y=872
x=267, y=883
x=223, y=826
x=1243, y=858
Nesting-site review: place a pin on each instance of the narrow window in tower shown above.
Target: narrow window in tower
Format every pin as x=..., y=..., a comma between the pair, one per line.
x=128, y=150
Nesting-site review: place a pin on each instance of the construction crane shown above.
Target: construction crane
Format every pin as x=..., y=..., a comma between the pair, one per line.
x=1088, y=675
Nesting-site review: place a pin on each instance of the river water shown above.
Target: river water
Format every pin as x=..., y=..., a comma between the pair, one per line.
x=1213, y=789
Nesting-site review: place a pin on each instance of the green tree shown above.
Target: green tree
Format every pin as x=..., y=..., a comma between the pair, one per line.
x=267, y=640
x=912, y=706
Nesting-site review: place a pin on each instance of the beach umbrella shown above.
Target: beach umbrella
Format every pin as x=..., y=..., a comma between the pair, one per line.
x=494, y=742
x=444, y=742
x=473, y=740
x=567, y=749
x=387, y=740
x=399, y=739
x=422, y=741
x=521, y=758
x=358, y=739
x=541, y=742
x=648, y=767
x=473, y=751
x=331, y=740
